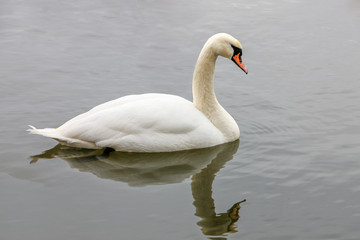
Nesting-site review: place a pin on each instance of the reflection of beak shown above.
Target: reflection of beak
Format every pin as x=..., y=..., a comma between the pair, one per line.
x=238, y=61
x=233, y=212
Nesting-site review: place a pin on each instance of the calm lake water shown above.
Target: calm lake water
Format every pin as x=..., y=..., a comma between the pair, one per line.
x=297, y=162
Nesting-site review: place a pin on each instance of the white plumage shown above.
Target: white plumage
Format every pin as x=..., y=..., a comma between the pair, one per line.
x=158, y=122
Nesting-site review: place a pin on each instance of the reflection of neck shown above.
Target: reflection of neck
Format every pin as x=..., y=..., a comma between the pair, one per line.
x=201, y=186
x=202, y=191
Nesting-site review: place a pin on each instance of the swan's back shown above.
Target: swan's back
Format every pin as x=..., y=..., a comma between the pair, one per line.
x=146, y=123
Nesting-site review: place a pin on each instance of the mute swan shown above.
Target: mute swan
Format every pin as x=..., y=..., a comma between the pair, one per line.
x=159, y=122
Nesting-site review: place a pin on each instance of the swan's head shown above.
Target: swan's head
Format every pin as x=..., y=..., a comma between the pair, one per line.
x=229, y=47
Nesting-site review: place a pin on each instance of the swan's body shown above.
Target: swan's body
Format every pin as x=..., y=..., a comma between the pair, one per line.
x=159, y=122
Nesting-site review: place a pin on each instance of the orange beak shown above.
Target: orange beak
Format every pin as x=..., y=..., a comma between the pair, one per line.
x=238, y=60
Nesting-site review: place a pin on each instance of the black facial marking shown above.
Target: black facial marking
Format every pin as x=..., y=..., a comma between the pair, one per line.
x=237, y=50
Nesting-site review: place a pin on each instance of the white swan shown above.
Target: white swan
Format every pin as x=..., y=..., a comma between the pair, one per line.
x=159, y=122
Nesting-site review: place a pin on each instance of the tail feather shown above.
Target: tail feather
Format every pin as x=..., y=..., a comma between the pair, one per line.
x=55, y=134
x=47, y=132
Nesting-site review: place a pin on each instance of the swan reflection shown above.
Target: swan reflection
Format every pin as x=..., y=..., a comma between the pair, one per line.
x=141, y=169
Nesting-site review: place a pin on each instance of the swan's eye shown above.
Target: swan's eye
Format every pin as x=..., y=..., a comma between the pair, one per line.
x=237, y=50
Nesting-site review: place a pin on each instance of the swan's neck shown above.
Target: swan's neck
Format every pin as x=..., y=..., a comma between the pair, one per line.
x=203, y=81
x=204, y=97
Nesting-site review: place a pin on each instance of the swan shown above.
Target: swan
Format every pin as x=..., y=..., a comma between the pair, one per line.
x=159, y=122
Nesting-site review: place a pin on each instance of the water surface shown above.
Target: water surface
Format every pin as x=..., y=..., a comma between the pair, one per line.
x=297, y=162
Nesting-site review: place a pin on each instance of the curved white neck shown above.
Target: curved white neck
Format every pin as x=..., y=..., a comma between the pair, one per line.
x=203, y=81
x=204, y=97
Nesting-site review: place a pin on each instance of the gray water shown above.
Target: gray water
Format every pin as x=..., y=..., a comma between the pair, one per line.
x=297, y=163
